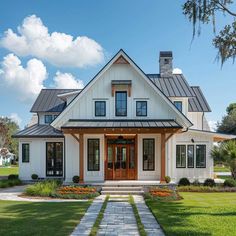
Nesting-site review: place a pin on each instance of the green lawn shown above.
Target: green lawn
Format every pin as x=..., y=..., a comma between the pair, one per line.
x=197, y=214
x=4, y=171
x=221, y=169
x=41, y=218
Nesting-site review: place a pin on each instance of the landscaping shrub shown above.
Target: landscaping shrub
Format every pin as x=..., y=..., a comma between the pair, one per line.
x=230, y=183
x=12, y=176
x=75, y=179
x=196, y=182
x=53, y=188
x=184, y=182
x=76, y=192
x=163, y=194
x=209, y=182
x=34, y=176
x=167, y=179
x=5, y=183
x=43, y=189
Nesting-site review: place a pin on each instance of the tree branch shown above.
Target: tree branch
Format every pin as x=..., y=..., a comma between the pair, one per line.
x=224, y=8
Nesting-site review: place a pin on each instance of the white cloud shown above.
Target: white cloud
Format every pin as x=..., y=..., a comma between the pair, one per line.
x=25, y=82
x=212, y=125
x=67, y=81
x=177, y=71
x=15, y=117
x=57, y=48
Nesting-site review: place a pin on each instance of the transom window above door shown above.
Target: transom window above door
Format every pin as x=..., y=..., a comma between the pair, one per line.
x=100, y=108
x=121, y=103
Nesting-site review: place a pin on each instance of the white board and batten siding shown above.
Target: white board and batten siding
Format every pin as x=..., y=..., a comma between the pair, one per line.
x=37, y=157
x=157, y=108
x=192, y=173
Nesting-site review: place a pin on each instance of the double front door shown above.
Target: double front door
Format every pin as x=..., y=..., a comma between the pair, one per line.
x=121, y=160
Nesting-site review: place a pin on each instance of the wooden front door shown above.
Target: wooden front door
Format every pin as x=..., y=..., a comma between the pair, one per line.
x=121, y=160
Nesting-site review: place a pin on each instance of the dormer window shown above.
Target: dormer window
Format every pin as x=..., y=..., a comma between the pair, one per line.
x=178, y=105
x=121, y=103
x=49, y=118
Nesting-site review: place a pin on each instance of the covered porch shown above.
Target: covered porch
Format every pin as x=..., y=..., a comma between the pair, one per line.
x=122, y=158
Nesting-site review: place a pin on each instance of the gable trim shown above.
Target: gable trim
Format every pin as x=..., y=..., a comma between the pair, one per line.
x=120, y=53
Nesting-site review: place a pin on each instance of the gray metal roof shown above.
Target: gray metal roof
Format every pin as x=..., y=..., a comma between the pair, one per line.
x=177, y=86
x=198, y=102
x=36, y=131
x=121, y=124
x=174, y=86
x=48, y=101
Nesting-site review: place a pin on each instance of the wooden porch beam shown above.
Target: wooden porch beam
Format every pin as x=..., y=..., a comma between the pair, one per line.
x=81, y=158
x=119, y=131
x=163, y=156
x=169, y=136
x=75, y=137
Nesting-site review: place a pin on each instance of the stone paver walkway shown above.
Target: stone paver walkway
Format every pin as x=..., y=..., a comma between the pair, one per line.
x=86, y=223
x=118, y=219
x=151, y=226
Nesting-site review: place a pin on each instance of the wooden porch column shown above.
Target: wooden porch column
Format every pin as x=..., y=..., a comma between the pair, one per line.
x=81, y=158
x=163, y=156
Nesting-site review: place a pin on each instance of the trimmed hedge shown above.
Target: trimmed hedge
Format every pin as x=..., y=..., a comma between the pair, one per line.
x=230, y=183
x=209, y=182
x=6, y=183
x=184, y=182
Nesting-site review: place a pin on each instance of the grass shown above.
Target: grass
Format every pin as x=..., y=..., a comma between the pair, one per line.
x=137, y=217
x=5, y=183
x=98, y=221
x=197, y=214
x=41, y=218
x=5, y=171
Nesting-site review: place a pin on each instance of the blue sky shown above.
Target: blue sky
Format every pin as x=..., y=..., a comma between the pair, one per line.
x=141, y=28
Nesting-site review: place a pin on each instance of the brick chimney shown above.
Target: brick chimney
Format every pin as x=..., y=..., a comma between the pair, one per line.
x=165, y=63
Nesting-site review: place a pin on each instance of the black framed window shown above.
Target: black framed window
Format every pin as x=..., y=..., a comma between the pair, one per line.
x=54, y=158
x=201, y=156
x=180, y=156
x=93, y=155
x=121, y=103
x=141, y=108
x=25, y=152
x=190, y=156
x=48, y=119
x=178, y=105
x=148, y=154
x=100, y=108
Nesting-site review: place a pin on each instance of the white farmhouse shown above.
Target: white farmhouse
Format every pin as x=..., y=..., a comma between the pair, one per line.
x=124, y=125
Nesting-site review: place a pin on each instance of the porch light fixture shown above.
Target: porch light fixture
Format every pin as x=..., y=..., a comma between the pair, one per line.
x=192, y=140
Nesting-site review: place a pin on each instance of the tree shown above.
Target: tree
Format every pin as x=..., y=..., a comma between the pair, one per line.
x=228, y=123
x=204, y=12
x=7, y=128
x=226, y=153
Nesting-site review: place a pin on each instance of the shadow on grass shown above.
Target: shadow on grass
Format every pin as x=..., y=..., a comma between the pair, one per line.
x=27, y=218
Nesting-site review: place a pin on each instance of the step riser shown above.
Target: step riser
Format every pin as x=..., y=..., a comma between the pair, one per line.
x=122, y=188
x=119, y=193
